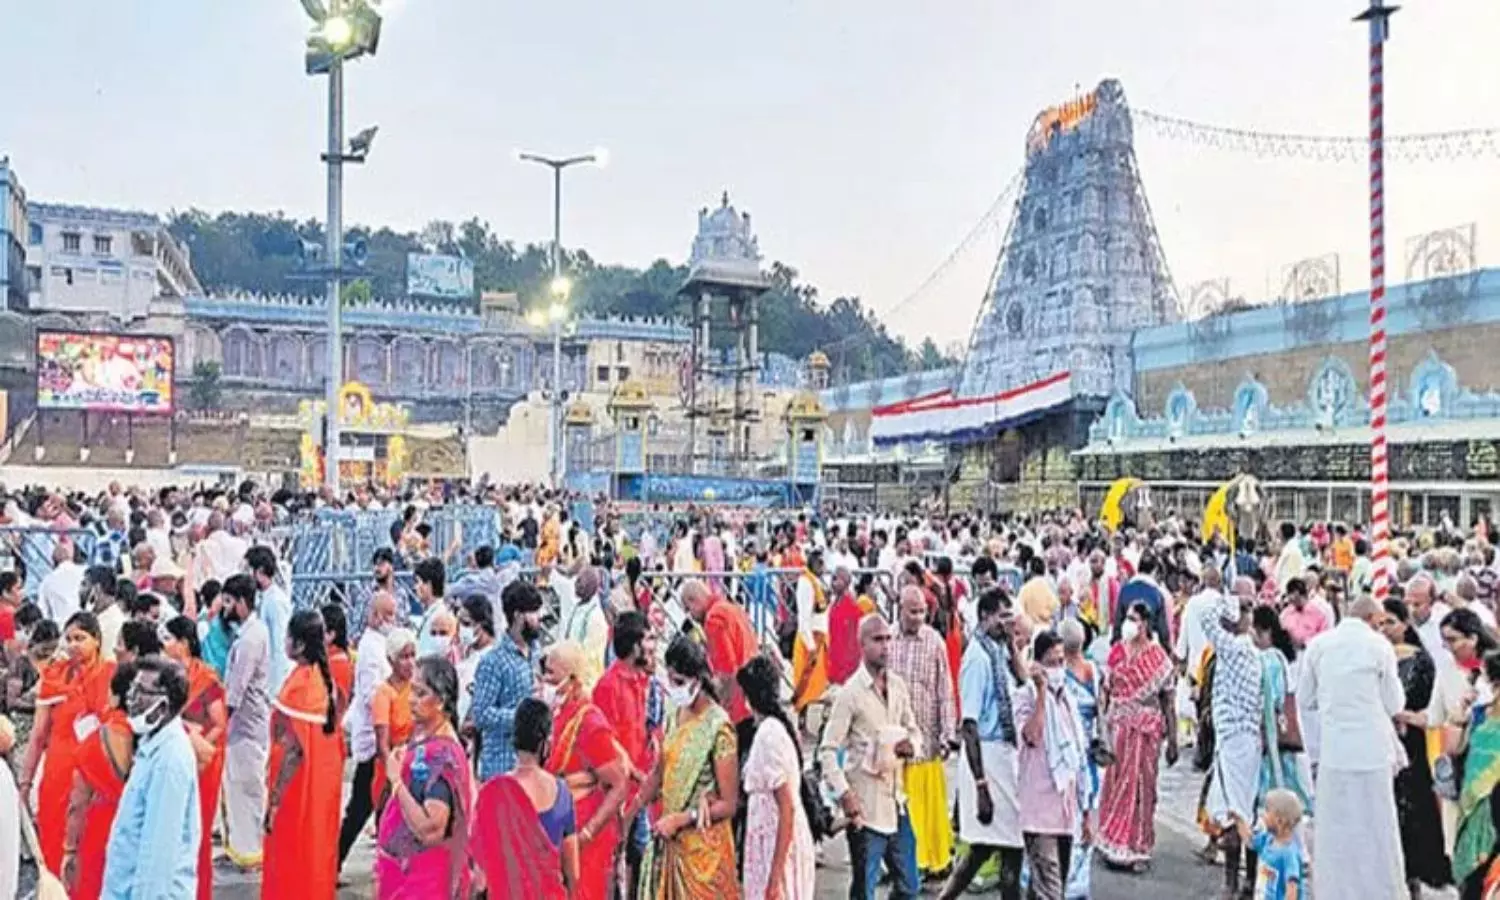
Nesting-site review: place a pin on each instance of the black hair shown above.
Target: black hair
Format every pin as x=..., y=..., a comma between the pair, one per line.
x=103, y=578
x=28, y=615
x=1043, y=642
x=306, y=628
x=1296, y=586
x=262, y=561
x=241, y=589
x=633, y=570
x=169, y=677
x=208, y=592
x=519, y=597
x=484, y=557
x=481, y=612
x=1402, y=613
x=630, y=631
x=992, y=601
x=336, y=625
x=686, y=658
x=8, y=581
x=1467, y=623
x=183, y=629
x=1037, y=566
x=1265, y=619
x=139, y=637
x=143, y=603
x=431, y=570
x=119, y=683
x=1288, y=531
x=760, y=681
x=442, y=679
x=944, y=566
x=983, y=565
x=533, y=726
x=85, y=621
x=43, y=632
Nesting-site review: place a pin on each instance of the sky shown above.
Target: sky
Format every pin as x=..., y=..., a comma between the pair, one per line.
x=866, y=137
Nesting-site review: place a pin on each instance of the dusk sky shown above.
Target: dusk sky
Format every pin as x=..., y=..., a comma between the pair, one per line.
x=866, y=138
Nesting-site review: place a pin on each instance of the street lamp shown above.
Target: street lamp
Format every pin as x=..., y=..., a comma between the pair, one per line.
x=560, y=287
x=342, y=30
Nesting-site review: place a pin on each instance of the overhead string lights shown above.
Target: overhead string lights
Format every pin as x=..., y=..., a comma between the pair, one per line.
x=1435, y=146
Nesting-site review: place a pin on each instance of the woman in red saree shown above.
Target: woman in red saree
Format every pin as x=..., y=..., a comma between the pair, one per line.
x=103, y=764
x=71, y=699
x=534, y=853
x=1140, y=710
x=425, y=826
x=585, y=752
x=305, y=774
x=206, y=717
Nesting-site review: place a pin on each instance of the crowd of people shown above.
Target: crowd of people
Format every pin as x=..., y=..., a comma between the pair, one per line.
x=963, y=699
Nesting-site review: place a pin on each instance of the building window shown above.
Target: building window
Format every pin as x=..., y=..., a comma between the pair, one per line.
x=603, y=374
x=103, y=243
x=619, y=351
x=34, y=234
x=72, y=242
x=33, y=278
x=67, y=275
x=624, y=374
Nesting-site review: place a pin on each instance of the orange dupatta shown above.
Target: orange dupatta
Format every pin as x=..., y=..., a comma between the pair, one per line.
x=204, y=690
x=105, y=777
x=301, y=849
x=71, y=692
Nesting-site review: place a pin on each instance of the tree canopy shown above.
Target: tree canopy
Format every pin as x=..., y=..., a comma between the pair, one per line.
x=260, y=253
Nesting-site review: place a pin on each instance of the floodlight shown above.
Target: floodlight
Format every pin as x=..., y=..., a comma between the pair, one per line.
x=359, y=145
x=561, y=286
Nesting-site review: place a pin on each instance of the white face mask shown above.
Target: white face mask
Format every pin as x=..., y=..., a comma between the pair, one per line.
x=1130, y=630
x=141, y=723
x=1055, y=676
x=548, y=694
x=682, y=695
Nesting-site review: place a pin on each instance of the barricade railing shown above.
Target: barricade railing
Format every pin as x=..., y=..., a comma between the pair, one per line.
x=33, y=547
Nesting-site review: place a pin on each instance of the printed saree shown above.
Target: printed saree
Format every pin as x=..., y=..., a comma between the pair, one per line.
x=406, y=870
x=695, y=864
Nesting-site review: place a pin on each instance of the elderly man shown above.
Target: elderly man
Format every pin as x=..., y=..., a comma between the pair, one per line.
x=1428, y=612
x=371, y=671
x=872, y=721
x=1349, y=678
x=589, y=625
x=1235, y=778
x=920, y=657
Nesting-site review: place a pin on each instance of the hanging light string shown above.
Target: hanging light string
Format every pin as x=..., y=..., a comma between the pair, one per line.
x=1434, y=146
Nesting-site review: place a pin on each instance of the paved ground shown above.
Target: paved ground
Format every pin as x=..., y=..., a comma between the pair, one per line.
x=1176, y=874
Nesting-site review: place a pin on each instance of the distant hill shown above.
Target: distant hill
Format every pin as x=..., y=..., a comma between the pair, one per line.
x=256, y=252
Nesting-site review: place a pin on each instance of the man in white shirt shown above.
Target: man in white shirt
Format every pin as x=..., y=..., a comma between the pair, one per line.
x=1428, y=612
x=1349, y=679
x=1191, y=641
x=220, y=554
x=371, y=671
x=1291, y=563
x=58, y=594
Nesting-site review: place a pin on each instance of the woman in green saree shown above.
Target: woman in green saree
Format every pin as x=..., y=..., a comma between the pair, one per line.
x=691, y=855
x=1474, y=857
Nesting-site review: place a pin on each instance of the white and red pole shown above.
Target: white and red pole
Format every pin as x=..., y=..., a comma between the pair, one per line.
x=1378, y=16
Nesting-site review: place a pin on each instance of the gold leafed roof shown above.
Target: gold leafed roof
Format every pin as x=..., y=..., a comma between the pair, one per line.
x=806, y=407
x=817, y=360
x=631, y=394
x=579, y=412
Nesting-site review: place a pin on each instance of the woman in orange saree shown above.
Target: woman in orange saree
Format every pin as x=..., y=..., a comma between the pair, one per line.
x=206, y=716
x=103, y=764
x=340, y=663
x=586, y=753
x=390, y=709
x=305, y=774
x=697, y=779
x=73, y=695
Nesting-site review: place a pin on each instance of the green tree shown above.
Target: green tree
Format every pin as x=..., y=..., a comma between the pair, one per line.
x=206, y=393
x=930, y=357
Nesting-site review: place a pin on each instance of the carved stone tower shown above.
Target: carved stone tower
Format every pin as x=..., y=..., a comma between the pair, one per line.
x=1081, y=266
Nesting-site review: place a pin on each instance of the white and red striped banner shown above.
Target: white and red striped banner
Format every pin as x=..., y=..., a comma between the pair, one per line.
x=943, y=416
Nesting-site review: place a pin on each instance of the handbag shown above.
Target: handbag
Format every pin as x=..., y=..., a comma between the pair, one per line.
x=819, y=816
x=1289, y=730
x=1101, y=753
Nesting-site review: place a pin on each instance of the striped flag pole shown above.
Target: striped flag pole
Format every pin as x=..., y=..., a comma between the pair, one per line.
x=1378, y=16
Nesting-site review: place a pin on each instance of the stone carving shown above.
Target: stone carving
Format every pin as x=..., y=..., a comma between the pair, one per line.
x=1311, y=279
x=1331, y=394
x=1081, y=228
x=1442, y=269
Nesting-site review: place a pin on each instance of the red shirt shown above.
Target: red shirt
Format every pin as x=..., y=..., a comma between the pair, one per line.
x=844, y=654
x=731, y=644
x=621, y=696
x=7, y=623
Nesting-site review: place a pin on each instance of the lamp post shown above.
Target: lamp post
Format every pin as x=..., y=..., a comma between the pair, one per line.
x=560, y=287
x=343, y=30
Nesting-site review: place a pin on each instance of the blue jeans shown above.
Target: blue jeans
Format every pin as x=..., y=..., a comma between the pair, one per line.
x=868, y=849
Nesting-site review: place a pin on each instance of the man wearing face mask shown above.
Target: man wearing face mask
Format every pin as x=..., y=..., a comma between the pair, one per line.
x=153, y=846
x=371, y=671
x=247, y=686
x=505, y=677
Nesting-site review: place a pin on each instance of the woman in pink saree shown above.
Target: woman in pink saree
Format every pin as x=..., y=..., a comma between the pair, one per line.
x=425, y=825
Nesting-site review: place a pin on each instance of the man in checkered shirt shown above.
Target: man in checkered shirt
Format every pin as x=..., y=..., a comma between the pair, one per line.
x=1235, y=776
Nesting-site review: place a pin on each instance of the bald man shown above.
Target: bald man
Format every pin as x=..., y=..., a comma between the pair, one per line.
x=370, y=672
x=919, y=655
x=1349, y=679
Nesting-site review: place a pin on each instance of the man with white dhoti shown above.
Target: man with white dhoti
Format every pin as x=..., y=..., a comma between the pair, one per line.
x=989, y=805
x=1234, y=779
x=247, y=682
x=1349, y=677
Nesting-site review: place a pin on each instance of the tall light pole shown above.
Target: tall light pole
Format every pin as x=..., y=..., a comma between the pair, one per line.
x=343, y=30
x=1378, y=16
x=557, y=310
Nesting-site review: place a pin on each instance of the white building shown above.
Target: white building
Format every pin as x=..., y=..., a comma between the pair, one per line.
x=85, y=260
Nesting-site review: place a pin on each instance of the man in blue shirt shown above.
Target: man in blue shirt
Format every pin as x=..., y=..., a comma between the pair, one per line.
x=275, y=609
x=153, y=844
x=505, y=677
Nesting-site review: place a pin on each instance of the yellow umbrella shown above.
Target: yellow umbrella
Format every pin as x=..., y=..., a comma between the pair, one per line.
x=1216, y=515
x=1110, y=512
